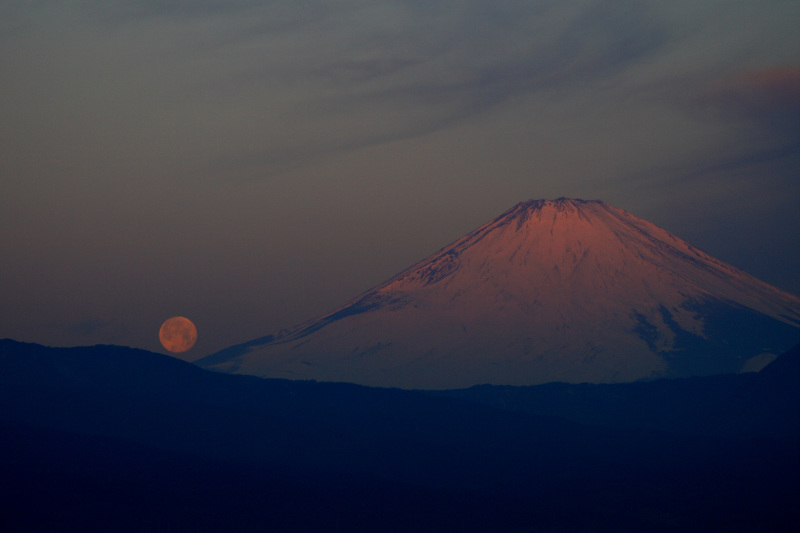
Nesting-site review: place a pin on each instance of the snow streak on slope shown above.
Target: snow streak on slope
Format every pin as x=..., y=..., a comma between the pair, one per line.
x=563, y=290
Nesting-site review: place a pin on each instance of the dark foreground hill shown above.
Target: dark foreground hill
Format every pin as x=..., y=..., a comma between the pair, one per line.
x=764, y=404
x=110, y=438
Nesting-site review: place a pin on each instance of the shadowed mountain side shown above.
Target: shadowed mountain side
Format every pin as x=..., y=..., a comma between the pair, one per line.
x=62, y=481
x=160, y=401
x=766, y=403
x=111, y=423
x=550, y=291
x=770, y=403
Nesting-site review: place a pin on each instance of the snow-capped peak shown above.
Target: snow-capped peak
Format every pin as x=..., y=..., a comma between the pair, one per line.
x=551, y=290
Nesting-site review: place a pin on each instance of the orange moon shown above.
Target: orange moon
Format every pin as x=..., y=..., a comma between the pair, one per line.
x=177, y=334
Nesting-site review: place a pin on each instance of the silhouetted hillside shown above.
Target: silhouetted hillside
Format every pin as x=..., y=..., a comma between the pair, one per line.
x=765, y=404
x=110, y=438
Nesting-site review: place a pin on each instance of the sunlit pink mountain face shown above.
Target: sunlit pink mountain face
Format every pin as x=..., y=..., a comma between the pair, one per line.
x=551, y=290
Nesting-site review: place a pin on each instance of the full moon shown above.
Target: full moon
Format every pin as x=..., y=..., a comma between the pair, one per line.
x=177, y=334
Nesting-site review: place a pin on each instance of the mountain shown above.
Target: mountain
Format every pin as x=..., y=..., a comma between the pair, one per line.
x=107, y=438
x=562, y=290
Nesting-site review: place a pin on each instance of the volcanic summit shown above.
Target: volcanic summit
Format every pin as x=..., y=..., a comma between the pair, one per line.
x=551, y=290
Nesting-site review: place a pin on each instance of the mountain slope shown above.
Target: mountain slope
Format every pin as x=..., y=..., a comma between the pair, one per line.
x=562, y=290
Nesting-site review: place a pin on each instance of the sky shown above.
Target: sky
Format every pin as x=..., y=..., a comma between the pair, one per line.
x=251, y=165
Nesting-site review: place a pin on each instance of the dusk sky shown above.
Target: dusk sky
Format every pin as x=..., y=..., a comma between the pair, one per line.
x=251, y=165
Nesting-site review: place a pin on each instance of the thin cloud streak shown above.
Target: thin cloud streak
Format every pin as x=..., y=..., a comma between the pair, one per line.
x=297, y=84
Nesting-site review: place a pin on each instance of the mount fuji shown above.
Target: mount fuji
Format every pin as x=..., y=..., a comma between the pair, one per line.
x=551, y=290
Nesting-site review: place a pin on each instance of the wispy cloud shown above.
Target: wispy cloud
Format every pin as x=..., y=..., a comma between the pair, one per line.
x=274, y=79
x=261, y=85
